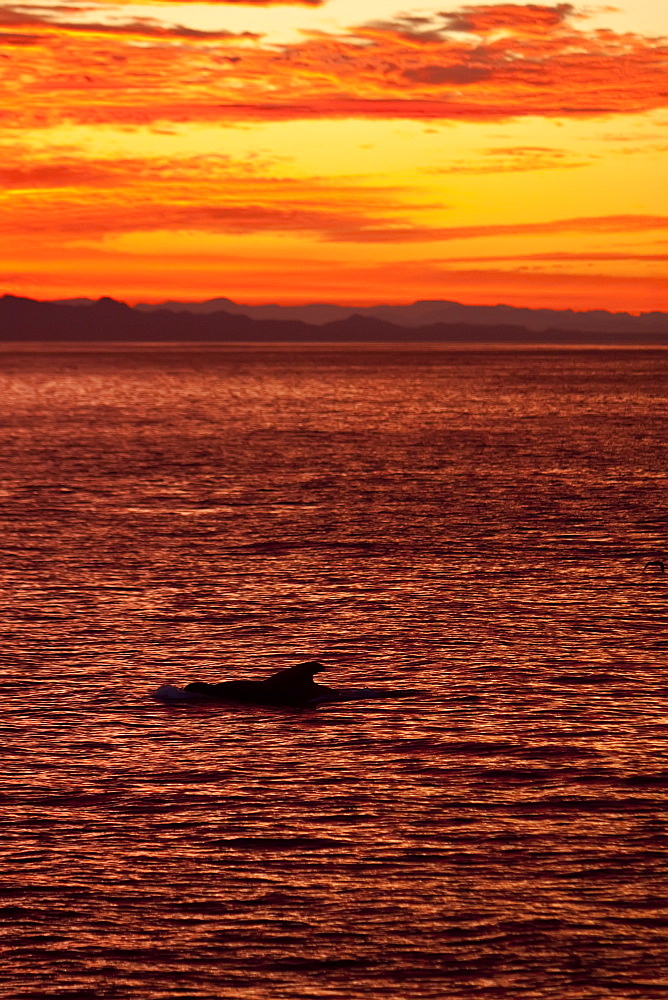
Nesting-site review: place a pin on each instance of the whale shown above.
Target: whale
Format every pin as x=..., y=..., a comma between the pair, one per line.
x=290, y=688
x=294, y=686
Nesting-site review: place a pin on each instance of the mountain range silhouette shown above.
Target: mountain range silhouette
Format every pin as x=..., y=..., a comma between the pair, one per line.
x=222, y=320
x=428, y=312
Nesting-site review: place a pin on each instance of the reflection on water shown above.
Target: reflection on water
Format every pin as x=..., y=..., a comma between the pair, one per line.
x=471, y=523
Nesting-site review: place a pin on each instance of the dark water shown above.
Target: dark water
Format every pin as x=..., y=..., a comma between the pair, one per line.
x=471, y=523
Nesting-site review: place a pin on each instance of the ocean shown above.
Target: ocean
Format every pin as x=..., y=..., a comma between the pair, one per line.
x=472, y=523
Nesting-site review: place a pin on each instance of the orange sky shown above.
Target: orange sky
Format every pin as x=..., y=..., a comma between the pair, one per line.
x=337, y=151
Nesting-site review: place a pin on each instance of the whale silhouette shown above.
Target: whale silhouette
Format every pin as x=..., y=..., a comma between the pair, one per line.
x=294, y=686
x=658, y=563
x=290, y=688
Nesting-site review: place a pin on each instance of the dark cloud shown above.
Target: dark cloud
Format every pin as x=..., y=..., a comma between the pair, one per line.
x=53, y=20
x=436, y=75
x=14, y=38
x=528, y=18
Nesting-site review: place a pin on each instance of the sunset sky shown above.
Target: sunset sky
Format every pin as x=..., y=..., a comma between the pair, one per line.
x=347, y=151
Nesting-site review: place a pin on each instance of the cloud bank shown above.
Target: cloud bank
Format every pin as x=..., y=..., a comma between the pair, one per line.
x=480, y=63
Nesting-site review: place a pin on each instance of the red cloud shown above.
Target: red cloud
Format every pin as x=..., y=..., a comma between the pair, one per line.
x=421, y=234
x=487, y=62
x=513, y=159
x=70, y=198
x=526, y=19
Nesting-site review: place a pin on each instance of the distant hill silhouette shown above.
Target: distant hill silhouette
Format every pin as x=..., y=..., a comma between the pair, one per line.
x=429, y=312
x=23, y=319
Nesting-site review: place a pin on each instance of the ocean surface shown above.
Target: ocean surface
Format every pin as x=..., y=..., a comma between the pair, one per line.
x=472, y=523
